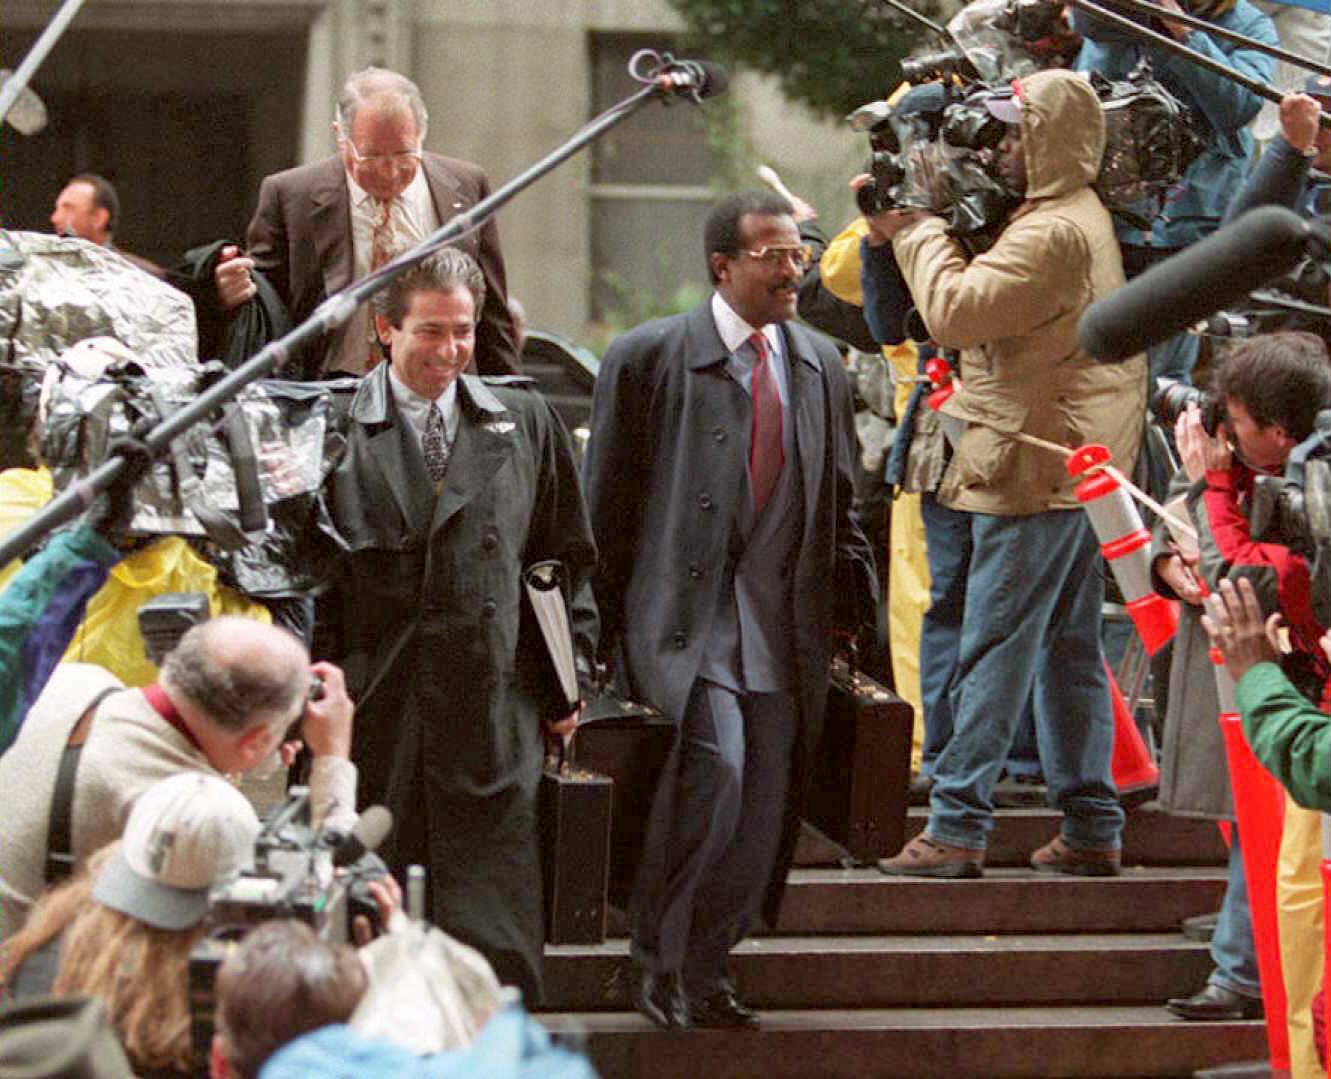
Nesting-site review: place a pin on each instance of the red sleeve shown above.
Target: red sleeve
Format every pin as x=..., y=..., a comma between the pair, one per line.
x=1243, y=554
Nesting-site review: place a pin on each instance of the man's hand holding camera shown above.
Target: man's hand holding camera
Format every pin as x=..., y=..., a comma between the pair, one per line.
x=1199, y=452
x=327, y=723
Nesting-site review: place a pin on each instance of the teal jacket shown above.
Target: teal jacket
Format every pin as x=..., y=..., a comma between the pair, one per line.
x=39, y=612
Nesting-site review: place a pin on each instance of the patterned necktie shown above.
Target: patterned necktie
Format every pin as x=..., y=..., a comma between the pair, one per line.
x=766, y=455
x=435, y=446
x=381, y=250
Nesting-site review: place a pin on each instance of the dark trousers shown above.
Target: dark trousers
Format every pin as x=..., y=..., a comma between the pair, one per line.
x=715, y=830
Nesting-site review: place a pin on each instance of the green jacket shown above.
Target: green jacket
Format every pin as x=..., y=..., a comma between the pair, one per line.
x=1288, y=734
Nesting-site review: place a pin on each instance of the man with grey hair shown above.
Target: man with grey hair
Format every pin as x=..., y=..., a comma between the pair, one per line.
x=225, y=699
x=450, y=487
x=320, y=227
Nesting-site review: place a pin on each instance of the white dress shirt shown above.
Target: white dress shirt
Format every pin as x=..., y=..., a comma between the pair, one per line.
x=411, y=218
x=415, y=409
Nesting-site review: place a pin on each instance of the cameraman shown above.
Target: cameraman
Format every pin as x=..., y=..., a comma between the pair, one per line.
x=1193, y=208
x=1272, y=386
x=225, y=699
x=1033, y=591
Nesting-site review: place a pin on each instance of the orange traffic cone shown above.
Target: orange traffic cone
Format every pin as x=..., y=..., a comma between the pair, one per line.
x=1131, y=763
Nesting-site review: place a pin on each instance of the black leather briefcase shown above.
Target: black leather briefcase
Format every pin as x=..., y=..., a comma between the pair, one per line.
x=575, y=817
x=629, y=743
x=861, y=769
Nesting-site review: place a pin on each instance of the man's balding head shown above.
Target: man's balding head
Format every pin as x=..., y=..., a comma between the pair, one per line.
x=239, y=672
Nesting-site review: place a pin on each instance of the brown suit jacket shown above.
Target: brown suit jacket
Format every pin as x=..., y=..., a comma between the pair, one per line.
x=300, y=238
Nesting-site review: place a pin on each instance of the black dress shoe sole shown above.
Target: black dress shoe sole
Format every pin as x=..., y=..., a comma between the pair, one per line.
x=736, y=1021
x=1203, y=1013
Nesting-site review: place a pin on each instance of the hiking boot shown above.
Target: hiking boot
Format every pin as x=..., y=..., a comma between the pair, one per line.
x=925, y=857
x=1060, y=856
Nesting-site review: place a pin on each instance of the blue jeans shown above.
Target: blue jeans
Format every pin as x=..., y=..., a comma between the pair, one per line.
x=1033, y=596
x=947, y=545
x=1233, y=950
x=1174, y=357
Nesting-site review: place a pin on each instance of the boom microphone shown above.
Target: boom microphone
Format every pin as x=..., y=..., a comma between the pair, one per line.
x=700, y=78
x=371, y=829
x=1261, y=245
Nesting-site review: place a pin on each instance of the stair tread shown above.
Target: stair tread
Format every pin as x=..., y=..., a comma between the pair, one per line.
x=1041, y=1017
x=1131, y=874
x=1026, y=943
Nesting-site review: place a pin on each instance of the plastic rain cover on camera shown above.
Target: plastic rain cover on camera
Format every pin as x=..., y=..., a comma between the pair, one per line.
x=428, y=992
x=193, y=487
x=56, y=292
x=997, y=54
x=1150, y=138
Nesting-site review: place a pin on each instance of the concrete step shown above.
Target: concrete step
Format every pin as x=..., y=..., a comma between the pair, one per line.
x=911, y=971
x=1143, y=900
x=1151, y=837
x=918, y=1043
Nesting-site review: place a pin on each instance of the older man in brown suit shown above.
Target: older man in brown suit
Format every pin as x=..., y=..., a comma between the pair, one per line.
x=320, y=227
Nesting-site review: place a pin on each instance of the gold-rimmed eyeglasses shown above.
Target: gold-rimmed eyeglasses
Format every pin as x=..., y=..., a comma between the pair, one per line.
x=774, y=254
x=397, y=157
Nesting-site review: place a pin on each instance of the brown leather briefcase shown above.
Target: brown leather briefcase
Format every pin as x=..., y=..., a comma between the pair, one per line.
x=861, y=769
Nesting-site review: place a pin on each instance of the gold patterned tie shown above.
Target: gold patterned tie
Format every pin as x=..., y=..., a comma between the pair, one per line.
x=381, y=250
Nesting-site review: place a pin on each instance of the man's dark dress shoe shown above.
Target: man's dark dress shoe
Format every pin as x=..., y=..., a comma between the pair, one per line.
x=661, y=999
x=1215, y=1002
x=722, y=1009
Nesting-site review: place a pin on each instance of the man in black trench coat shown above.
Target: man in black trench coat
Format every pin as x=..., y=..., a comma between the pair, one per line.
x=718, y=479
x=450, y=486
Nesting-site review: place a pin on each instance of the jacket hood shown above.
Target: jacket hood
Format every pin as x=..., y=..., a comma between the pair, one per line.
x=1062, y=132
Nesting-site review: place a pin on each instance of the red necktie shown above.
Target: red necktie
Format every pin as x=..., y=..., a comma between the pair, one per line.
x=766, y=455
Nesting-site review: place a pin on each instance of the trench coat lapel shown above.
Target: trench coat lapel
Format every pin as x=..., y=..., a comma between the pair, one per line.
x=486, y=438
x=808, y=401
x=392, y=460
x=330, y=225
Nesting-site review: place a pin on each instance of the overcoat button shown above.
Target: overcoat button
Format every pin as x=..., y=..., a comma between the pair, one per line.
x=719, y=433
x=680, y=640
x=488, y=608
x=489, y=541
x=695, y=571
x=705, y=500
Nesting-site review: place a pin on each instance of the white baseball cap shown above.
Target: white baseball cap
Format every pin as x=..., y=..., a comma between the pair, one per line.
x=184, y=835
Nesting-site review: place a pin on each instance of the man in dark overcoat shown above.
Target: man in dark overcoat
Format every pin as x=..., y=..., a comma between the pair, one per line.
x=450, y=486
x=718, y=478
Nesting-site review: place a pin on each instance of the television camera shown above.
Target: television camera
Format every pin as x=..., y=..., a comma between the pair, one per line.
x=321, y=878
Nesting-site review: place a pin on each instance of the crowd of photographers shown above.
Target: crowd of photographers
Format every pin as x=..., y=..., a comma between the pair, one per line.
x=1236, y=518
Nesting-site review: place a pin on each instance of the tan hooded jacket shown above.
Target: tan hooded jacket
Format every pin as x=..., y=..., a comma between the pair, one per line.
x=1013, y=312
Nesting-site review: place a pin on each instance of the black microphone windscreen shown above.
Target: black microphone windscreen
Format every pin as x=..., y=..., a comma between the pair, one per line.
x=715, y=78
x=1261, y=245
